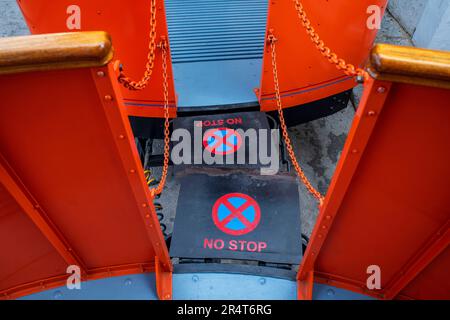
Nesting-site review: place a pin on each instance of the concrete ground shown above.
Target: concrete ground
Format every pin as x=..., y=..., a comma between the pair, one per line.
x=318, y=143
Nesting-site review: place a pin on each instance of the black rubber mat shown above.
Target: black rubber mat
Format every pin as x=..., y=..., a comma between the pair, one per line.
x=238, y=217
x=233, y=140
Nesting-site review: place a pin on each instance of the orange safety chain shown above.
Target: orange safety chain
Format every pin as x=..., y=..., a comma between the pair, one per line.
x=284, y=130
x=141, y=84
x=156, y=191
x=332, y=57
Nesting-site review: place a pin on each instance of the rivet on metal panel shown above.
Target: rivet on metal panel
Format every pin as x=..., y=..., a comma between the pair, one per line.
x=132, y=171
x=355, y=151
x=121, y=136
x=144, y=205
x=195, y=278
x=371, y=113
x=381, y=90
x=108, y=98
x=328, y=217
x=330, y=292
x=100, y=74
x=324, y=227
x=262, y=281
x=128, y=282
x=167, y=296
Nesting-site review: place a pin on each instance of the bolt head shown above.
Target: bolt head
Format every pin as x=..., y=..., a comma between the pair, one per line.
x=57, y=294
x=330, y=292
x=128, y=282
x=381, y=90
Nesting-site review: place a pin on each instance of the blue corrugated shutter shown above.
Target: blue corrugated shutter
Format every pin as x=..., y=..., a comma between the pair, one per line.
x=214, y=30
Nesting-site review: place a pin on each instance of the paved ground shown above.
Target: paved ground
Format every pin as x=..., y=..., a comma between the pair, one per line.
x=318, y=143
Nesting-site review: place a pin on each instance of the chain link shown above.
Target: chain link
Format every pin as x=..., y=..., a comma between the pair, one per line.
x=156, y=191
x=284, y=130
x=332, y=57
x=141, y=84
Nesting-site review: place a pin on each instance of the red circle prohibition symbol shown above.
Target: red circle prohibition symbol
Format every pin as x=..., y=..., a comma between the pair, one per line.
x=222, y=141
x=236, y=214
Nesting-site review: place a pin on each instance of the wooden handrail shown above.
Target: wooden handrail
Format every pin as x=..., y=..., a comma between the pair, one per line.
x=410, y=65
x=54, y=51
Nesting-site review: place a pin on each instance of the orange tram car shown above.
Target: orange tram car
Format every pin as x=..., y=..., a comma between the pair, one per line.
x=98, y=79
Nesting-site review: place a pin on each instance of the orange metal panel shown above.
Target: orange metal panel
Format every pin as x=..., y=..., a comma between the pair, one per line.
x=70, y=145
x=46, y=283
x=25, y=252
x=34, y=211
x=305, y=75
x=388, y=202
x=128, y=22
x=424, y=285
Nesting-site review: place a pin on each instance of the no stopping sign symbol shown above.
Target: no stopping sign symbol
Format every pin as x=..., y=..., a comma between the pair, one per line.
x=222, y=141
x=236, y=214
